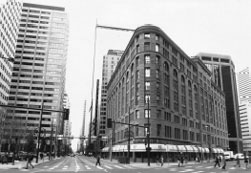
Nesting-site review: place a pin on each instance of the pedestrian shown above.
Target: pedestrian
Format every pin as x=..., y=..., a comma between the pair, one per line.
x=41, y=156
x=181, y=160
x=178, y=159
x=238, y=161
x=217, y=161
x=29, y=160
x=98, y=160
x=161, y=160
x=224, y=162
x=246, y=161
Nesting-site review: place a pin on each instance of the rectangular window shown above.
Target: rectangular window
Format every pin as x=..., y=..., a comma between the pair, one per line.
x=147, y=86
x=147, y=98
x=146, y=113
x=157, y=47
x=158, y=129
x=146, y=46
x=147, y=59
x=147, y=35
x=168, y=131
x=147, y=72
x=137, y=116
x=176, y=133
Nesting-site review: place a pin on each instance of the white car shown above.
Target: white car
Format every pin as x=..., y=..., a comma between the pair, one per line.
x=240, y=156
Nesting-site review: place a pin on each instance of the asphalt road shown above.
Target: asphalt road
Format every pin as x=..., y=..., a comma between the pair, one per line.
x=83, y=164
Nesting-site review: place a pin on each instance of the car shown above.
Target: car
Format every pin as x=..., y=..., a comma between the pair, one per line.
x=240, y=156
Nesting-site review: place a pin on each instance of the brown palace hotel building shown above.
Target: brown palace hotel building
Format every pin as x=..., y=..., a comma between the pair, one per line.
x=187, y=110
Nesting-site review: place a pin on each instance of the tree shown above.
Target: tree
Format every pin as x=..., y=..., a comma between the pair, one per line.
x=30, y=145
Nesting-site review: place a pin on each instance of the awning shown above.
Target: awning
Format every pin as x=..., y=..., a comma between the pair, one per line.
x=171, y=148
x=214, y=150
x=116, y=148
x=122, y=148
x=181, y=148
x=189, y=148
x=201, y=150
x=138, y=147
x=105, y=149
x=221, y=150
x=206, y=150
x=196, y=150
x=158, y=147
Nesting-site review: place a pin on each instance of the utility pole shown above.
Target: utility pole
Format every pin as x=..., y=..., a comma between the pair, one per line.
x=148, y=133
x=39, y=130
x=129, y=136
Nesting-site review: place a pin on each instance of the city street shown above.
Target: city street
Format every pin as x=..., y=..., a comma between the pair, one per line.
x=87, y=164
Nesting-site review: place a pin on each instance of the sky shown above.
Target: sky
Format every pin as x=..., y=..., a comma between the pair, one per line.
x=211, y=26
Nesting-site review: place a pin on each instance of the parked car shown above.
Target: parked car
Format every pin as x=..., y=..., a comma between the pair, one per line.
x=240, y=155
x=228, y=155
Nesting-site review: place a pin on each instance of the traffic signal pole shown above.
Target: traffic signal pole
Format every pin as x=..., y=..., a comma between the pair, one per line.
x=39, y=130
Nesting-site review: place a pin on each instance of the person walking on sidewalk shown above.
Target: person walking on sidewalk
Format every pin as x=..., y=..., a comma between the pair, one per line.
x=224, y=162
x=98, y=160
x=217, y=161
x=238, y=161
x=161, y=160
x=29, y=160
x=246, y=161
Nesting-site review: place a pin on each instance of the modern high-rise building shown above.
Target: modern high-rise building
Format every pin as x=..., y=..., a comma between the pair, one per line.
x=245, y=119
x=244, y=88
x=186, y=110
x=244, y=85
x=9, y=18
x=38, y=78
x=109, y=64
x=223, y=75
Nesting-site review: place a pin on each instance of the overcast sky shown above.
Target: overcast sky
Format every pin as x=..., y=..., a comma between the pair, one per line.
x=213, y=26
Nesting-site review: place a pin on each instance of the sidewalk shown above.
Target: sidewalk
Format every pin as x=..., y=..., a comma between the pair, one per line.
x=155, y=165
x=21, y=164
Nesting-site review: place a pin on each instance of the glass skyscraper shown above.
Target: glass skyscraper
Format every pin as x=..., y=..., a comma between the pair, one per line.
x=38, y=78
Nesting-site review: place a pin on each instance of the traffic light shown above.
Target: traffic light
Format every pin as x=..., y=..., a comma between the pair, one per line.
x=66, y=114
x=109, y=123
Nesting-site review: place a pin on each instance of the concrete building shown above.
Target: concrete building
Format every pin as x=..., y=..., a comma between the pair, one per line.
x=245, y=119
x=38, y=78
x=109, y=64
x=244, y=88
x=244, y=85
x=223, y=75
x=187, y=110
x=9, y=16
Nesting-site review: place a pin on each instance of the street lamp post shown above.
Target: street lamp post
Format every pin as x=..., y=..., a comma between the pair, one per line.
x=39, y=130
x=208, y=141
x=148, y=133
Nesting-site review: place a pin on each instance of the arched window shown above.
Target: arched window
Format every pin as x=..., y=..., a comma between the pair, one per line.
x=166, y=67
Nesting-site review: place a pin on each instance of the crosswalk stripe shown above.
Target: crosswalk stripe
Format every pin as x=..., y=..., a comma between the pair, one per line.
x=108, y=167
x=127, y=166
x=87, y=167
x=99, y=167
x=117, y=166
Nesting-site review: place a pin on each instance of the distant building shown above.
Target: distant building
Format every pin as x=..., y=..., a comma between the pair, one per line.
x=244, y=85
x=38, y=77
x=245, y=119
x=9, y=17
x=223, y=75
x=187, y=110
x=109, y=64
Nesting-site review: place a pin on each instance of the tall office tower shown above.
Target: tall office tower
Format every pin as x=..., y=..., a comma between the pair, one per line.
x=109, y=64
x=186, y=111
x=9, y=17
x=244, y=85
x=38, y=78
x=83, y=122
x=223, y=74
x=245, y=118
